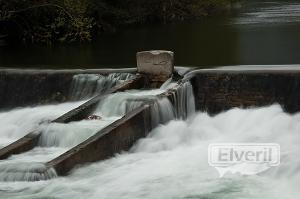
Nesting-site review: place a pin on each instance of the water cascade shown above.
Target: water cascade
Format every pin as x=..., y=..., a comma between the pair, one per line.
x=18, y=122
x=172, y=162
x=85, y=86
x=57, y=138
x=184, y=101
x=162, y=108
x=23, y=168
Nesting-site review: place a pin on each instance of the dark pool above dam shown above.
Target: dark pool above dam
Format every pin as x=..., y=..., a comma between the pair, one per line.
x=261, y=32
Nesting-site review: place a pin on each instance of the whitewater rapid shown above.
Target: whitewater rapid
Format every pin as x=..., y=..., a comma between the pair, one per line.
x=57, y=138
x=172, y=163
x=162, y=107
x=18, y=122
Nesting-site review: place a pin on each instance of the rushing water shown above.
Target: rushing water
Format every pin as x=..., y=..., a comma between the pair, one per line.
x=172, y=163
x=18, y=122
x=261, y=32
x=162, y=109
x=88, y=85
x=57, y=138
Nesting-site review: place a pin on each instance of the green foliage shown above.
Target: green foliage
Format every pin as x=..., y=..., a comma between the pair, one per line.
x=74, y=22
x=48, y=21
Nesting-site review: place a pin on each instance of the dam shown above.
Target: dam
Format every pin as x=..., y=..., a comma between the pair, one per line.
x=90, y=110
x=150, y=123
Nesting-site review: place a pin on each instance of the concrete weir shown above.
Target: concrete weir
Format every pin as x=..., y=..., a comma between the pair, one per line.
x=215, y=90
x=117, y=137
x=123, y=133
x=20, y=88
x=220, y=90
x=30, y=140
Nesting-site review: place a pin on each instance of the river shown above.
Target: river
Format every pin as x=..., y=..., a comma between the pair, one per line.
x=171, y=162
x=261, y=32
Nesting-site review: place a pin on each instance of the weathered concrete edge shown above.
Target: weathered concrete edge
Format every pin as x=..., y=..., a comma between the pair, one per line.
x=21, y=88
x=103, y=71
x=117, y=137
x=30, y=140
x=220, y=90
x=67, y=71
x=193, y=72
x=25, y=143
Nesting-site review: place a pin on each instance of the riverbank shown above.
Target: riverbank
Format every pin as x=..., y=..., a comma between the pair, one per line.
x=260, y=33
x=51, y=21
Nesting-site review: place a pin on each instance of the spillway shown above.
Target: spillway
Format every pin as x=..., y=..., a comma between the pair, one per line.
x=85, y=86
x=169, y=162
x=178, y=105
x=147, y=142
x=17, y=122
x=57, y=138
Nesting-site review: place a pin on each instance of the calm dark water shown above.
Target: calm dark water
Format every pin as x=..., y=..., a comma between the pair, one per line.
x=262, y=32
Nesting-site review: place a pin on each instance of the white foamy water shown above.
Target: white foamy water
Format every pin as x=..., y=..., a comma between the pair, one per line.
x=18, y=122
x=172, y=163
x=88, y=85
x=71, y=134
x=121, y=103
x=29, y=166
x=55, y=140
x=272, y=12
x=163, y=109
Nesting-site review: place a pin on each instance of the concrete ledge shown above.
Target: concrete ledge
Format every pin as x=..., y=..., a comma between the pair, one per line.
x=85, y=109
x=220, y=90
x=34, y=87
x=117, y=137
x=30, y=140
x=17, y=89
x=67, y=71
x=26, y=143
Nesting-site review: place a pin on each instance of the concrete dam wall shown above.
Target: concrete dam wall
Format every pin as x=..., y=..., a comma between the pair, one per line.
x=120, y=107
x=220, y=90
x=33, y=87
